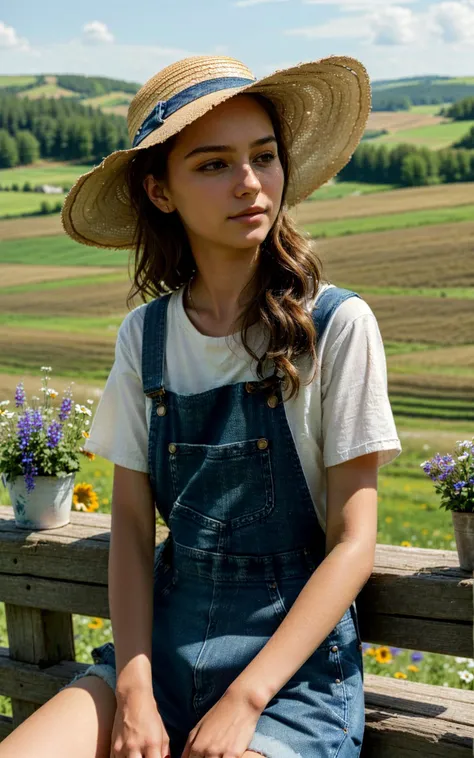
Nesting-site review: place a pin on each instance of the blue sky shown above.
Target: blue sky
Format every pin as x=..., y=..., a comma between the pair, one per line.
x=403, y=38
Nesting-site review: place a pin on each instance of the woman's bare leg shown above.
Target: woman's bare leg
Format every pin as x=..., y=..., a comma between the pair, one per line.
x=77, y=722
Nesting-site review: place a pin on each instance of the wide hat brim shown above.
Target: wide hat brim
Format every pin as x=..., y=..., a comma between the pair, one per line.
x=326, y=104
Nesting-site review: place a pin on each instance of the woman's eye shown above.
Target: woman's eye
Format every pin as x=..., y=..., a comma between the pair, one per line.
x=266, y=157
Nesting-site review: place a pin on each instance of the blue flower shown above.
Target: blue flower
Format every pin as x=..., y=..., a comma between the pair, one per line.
x=20, y=395
x=459, y=485
x=65, y=409
x=417, y=656
x=54, y=434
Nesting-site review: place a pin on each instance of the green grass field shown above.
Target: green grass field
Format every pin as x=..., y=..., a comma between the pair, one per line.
x=108, y=100
x=17, y=81
x=344, y=189
x=20, y=203
x=434, y=137
x=390, y=221
x=431, y=110
x=49, y=90
x=44, y=173
x=59, y=251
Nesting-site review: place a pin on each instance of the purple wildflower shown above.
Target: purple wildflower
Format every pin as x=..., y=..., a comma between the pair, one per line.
x=37, y=421
x=417, y=656
x=20, y=396
x=54, y=434
x=24, y=427
x=30, y=471
x=459, y=485
x=395, y=650
x=65, y=409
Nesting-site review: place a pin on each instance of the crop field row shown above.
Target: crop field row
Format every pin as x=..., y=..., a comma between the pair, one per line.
x=383, y=203
x=22, y=277
x=440, y=256
x=424, y=319
x=34, y=226
x=396, y=121
x=95, y=299
x=390, y=221
x=59, y=250
x=434, y=136
x=69, y=354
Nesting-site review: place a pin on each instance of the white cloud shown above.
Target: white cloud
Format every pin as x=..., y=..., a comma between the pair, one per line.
x=96, y=33
x=9, y=39
x=343, y=27
x=454, y=21
x=393, y=26
x=247, y=3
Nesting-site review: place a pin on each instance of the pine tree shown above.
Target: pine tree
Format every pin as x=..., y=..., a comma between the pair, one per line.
x=8, y=150
x=28, y=147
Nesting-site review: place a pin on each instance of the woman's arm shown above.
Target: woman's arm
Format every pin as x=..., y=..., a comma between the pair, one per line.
x=351, y=535
x=131, y=558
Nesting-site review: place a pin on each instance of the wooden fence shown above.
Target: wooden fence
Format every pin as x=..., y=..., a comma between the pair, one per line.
x=415, y=598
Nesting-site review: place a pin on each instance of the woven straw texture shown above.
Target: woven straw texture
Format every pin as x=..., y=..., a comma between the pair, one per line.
x=326, y=104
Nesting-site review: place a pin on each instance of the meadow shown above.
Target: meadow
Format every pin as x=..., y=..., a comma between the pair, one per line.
x=408, y=253
x=21, y=203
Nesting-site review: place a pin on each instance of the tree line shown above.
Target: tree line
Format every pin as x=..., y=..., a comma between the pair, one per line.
x=94, y=86
x=408, y=165
x=427, y=91
x=463, y=110
x=60, y=129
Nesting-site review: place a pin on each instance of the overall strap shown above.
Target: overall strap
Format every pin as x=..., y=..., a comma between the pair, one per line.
x=327, y=302
x=153, y=347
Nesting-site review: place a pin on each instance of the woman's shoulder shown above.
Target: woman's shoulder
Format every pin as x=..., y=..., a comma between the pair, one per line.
x=346, y=313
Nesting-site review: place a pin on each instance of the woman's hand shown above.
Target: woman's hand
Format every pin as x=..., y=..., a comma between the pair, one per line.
x=138, y=728
x=226, y=729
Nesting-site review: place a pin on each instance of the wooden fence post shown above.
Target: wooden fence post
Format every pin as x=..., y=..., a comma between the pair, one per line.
x=37, y=636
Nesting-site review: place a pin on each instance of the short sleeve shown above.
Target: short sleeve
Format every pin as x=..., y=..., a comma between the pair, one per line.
x=357, y=416
x=119, y=428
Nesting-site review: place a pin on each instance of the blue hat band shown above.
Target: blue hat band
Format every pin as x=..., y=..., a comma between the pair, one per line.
x=165, y=108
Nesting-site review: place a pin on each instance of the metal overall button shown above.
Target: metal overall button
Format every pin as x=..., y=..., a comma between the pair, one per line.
x=262, y=444
x=161, y=410
x=272, y=401
x=172, y=447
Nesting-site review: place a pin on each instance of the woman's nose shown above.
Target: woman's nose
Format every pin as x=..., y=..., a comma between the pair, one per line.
x=248, y=179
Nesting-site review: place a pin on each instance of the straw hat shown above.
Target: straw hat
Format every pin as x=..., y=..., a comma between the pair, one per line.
x=325, y=102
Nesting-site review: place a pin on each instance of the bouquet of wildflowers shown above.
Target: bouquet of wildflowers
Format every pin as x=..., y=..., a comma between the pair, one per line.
x=454, y=477
x=39, y=439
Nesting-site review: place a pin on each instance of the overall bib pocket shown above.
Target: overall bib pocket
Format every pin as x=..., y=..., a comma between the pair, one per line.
x=219, y=486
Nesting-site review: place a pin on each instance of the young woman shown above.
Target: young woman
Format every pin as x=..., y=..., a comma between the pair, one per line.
x=248, y=404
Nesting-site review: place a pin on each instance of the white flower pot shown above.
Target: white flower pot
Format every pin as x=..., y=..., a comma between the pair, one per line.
x=48, y=506
x=463, y=524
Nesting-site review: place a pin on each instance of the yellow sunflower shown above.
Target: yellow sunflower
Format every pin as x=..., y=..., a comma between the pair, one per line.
x=84, y=498
x=96, y=623
x=413, y=668
x=400, y=675
x=383, y=655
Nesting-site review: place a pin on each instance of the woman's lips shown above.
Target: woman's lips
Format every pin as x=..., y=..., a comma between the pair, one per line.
x=249, y=217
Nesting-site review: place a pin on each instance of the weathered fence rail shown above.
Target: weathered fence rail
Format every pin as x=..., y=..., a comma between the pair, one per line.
x=416, y=598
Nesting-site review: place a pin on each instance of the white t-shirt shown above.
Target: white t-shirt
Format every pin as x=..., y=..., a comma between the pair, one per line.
x=343, y=413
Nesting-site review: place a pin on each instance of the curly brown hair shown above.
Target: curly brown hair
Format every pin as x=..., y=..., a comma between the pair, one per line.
x=288, y=272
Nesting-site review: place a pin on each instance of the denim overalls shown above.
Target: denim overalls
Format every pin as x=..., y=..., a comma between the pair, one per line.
x=244, y=539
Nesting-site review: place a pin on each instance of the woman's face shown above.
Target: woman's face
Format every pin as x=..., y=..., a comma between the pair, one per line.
x=221, y=164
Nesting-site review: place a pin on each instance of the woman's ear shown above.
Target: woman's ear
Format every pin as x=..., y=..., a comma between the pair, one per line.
x=157, y=194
